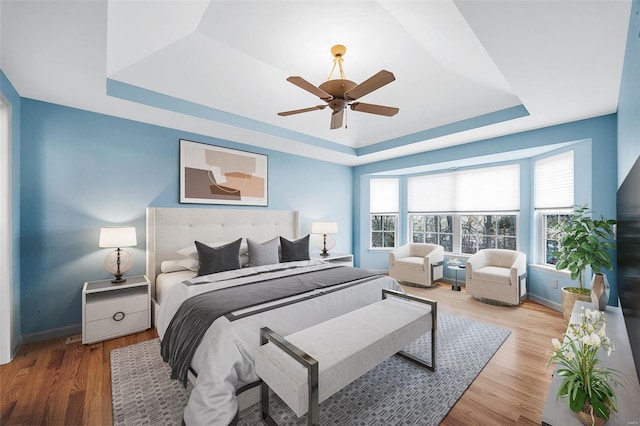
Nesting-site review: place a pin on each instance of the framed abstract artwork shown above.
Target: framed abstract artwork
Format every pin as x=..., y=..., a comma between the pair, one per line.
x=212, y=174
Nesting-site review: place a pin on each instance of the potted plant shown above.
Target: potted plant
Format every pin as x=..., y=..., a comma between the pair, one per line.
x=584, y=241
x=586, y=386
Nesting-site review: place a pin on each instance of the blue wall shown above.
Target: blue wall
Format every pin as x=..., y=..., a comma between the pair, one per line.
x=11, y=95
x=629, y=101
x=82, y=170
x=75, y=171
x=596, y=175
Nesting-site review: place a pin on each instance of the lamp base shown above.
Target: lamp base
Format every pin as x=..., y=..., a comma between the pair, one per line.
x=117, y=263
x=118, y=280
x=325, y=244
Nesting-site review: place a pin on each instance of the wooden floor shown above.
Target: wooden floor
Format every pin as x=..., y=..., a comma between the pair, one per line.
x=53, y=383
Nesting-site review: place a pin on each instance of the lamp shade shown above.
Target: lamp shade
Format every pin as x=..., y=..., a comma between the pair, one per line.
x=324, y=228
x=117, y=236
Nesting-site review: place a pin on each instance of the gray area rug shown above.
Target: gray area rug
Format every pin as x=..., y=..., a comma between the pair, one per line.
x=397, y=392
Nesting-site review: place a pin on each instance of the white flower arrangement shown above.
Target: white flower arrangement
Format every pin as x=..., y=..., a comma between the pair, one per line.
x=585, y=383
x=454, y=261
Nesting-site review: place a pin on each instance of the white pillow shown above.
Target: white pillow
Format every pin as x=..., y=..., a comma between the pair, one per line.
x=190, y=264
x=173, y=266
x=192, y=252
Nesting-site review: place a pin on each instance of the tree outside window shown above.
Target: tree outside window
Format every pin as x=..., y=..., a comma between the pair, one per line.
x=480, y=232
x=383, y=231
x=551, y=240
x=433, y=229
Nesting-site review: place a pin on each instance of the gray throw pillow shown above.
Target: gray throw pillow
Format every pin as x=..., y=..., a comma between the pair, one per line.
x=263, y=254
x=218, y=259
x=291, y=251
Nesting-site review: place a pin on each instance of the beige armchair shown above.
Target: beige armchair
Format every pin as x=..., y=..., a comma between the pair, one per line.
x=498, y=275
x=417, y=263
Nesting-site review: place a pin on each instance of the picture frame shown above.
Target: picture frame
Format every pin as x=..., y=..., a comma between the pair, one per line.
x=211, y=174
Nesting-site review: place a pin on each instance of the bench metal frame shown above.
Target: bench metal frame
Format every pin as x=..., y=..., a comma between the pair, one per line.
x=434, y=328
x=313, y=415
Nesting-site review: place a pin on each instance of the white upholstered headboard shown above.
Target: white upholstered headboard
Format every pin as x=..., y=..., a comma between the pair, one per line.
x=170, y=229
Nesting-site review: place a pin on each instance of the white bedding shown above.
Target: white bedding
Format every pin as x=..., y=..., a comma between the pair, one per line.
x=166, y=280
x=224, y=359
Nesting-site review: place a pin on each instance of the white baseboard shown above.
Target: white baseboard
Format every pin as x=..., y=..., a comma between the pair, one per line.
x=545, y=302
x=51, y=334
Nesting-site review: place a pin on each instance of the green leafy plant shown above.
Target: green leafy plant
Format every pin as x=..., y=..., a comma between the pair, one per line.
x=584, y=382
x=584, y=242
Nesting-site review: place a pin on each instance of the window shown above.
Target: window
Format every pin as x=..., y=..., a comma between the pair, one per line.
x=384, y=207
x=443, y=208
x=487, y=231
x=383, y=230
x=553, y=200
x=433, y=229
x=550, y=240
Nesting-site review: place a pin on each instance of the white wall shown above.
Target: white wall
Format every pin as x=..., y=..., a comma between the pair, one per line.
x=6, y=306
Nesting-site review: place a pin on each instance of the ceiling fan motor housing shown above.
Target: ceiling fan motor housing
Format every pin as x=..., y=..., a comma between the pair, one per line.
x=338, y=87
x=337, y=104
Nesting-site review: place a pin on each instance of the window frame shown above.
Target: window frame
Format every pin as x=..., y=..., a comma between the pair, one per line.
x=438, y=232
x=557, y=175
x=542, y=249
x=388, y=207
x=457, y=227
x=395, y=217
x=495, y=236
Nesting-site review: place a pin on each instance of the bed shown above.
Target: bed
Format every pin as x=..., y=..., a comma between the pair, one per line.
x=221, y=365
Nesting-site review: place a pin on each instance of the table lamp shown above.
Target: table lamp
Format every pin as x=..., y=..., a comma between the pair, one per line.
x=119, y=261
x=325, y=228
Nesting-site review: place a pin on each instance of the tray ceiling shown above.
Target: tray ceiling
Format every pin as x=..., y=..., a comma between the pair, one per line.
x=465, y=70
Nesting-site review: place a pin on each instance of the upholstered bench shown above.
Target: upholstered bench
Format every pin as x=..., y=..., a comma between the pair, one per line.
x=309, y=366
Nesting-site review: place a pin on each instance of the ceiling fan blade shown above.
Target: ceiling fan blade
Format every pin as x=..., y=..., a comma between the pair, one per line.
x=336, y=119
x=369, y=85
x=374, y=109
x=304, y=84
x=298, y=111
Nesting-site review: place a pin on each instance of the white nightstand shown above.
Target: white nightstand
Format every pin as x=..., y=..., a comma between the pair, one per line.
x=113, y=310
x=337, y=258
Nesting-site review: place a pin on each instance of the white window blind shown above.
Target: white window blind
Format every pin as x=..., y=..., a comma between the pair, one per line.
x=384, y=195
x=553, y=181
x=475, y=190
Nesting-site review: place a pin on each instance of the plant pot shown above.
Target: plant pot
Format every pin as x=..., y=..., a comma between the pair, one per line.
x=569, y=295
x=599, y=291
x=586, y=418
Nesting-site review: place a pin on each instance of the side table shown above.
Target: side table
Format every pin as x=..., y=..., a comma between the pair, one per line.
x=456, y=268
x=113, y=310
x=335, y=258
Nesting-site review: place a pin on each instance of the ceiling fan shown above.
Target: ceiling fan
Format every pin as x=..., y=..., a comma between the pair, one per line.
x=340, y=93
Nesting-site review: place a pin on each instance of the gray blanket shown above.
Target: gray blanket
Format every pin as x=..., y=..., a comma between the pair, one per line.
x=196, y=314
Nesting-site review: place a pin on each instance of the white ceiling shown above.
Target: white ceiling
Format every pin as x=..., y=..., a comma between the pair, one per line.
x=465, y=70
